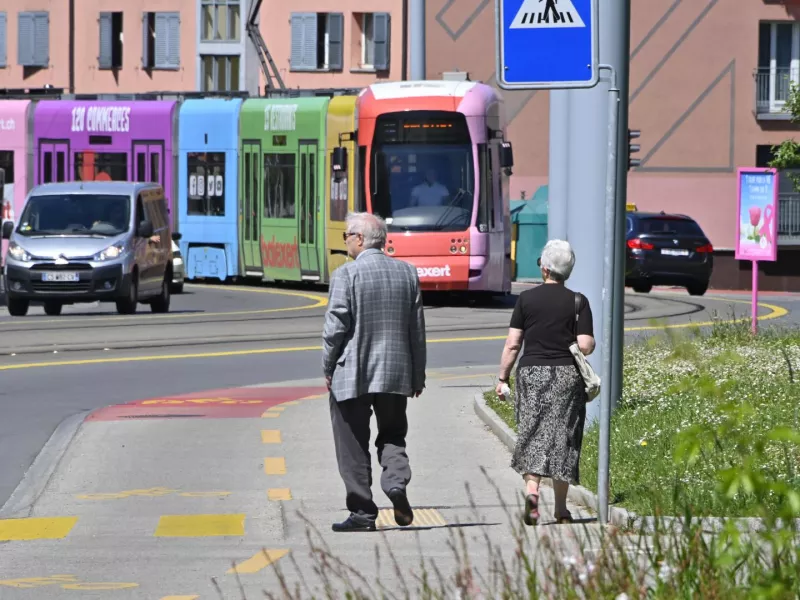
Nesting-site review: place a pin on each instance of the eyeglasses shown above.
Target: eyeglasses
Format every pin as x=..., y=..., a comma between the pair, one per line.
x=346, y=235
x=539, y=262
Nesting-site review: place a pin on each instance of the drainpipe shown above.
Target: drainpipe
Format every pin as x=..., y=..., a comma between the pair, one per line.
x=404, y=62
x=71, y=46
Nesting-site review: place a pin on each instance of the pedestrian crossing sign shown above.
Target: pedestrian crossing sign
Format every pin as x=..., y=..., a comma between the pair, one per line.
x=547, y=14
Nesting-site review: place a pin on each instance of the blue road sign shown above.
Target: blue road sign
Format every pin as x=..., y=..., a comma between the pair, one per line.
x=547, y=44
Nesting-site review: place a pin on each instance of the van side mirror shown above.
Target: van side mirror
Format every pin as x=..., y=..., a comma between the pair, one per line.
x=8, y=229
x=506, y=155
x=145, y=229
x=339, y=159
x=176, y=236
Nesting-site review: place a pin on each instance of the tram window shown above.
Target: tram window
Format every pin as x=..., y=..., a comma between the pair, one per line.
x=303, y=199
x=312, y=198
x=48, y=167
x=101, y=166
x=7, y=164
x=206, y=178
x=61, y=168
x=485, y=200
x=141, y=167
x=361, y=199
x=279, y=193
x=155, y=167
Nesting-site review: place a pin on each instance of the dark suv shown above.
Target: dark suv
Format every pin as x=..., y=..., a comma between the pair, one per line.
x=664, y=249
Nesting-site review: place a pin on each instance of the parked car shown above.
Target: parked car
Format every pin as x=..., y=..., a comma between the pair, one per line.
x=178, y=270
x=667, y=249
x=88, y=241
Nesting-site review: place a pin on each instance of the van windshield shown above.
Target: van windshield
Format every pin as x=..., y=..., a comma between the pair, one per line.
x=75, y=214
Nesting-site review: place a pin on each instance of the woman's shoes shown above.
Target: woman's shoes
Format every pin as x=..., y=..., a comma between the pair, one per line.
x=531, y=516
x=565, y=519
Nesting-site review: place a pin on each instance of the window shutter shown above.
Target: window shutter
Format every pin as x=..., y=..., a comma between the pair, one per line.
x=162, y=41
x=381, y=24
x=310, y=41
x=335, y=41
x=3, y=42
x=41, y=38
x=296, y=57
x=145, y=42
x=25, y=39
x=174, y=40
x=104, y=58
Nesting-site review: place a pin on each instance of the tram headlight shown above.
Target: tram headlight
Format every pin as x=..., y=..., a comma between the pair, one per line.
x=453, y=249
x=463, y=249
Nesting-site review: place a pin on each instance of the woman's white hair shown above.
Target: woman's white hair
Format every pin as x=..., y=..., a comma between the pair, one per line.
x=371, y=227
x=559, y=259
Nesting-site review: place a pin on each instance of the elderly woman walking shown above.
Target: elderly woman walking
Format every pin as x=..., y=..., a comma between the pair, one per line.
x=550, y=396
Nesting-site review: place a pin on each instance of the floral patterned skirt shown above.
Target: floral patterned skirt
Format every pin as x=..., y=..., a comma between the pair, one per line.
x=550, y=407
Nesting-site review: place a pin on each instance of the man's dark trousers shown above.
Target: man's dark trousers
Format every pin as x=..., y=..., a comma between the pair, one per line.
x=351, y=420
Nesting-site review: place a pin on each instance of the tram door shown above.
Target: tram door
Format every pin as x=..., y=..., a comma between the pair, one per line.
x=250, y=203
x=307, y=212
x=53, y=162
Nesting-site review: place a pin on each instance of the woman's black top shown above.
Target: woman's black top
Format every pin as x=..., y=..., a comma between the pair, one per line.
x=546, y=315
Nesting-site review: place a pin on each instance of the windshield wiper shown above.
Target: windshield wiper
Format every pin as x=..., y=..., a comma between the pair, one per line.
x=438, y=226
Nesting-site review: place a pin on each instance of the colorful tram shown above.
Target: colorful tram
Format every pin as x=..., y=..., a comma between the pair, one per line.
x=260, y=187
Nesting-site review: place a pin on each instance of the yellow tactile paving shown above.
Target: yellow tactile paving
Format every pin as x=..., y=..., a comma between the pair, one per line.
x=258, y=561
x=51, y=528
x=270, y=436
x=423, y=517
x=275, y=466
x=279, y=494
x=200, y=525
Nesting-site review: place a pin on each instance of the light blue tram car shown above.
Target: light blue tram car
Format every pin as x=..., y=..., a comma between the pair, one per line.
x=208, y=143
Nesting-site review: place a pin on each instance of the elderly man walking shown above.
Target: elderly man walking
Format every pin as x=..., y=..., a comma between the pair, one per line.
x=374, y=358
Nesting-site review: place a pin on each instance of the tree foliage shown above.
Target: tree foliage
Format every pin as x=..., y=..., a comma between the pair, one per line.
x=786, y=156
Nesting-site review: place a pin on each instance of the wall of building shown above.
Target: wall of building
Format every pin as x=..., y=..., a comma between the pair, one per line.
x=89, y=77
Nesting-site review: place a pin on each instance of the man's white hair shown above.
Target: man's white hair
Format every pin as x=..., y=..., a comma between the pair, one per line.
x=371, y=227
x=559, y=259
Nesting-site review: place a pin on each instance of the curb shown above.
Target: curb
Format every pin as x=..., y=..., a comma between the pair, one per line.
x=38, y=475
x=576, y=494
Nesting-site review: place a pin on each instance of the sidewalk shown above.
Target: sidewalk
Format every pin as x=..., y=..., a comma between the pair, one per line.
x=155, y=499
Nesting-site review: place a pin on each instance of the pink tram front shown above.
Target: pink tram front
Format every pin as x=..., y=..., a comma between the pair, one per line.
x=15, y=160
x=435, y=165
x=96, y=140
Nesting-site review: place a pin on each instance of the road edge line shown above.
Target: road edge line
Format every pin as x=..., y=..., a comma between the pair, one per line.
x=41, y=470
x=577, y=494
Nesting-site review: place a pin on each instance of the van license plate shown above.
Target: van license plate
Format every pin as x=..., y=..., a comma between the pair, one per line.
x=60, y=276
x=674, y=252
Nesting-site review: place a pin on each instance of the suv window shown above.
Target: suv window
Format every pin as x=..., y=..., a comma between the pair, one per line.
x=669, y=225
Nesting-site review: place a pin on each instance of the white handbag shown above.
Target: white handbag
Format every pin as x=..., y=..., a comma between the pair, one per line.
x=590, y=378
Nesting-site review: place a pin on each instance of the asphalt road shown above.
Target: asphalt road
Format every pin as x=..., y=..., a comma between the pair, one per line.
x=219, y=337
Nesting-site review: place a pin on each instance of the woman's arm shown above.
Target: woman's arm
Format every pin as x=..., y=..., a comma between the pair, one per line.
x=510, y=352
x=586, y=344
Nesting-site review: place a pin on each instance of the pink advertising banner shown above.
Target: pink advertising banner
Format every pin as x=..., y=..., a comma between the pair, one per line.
x=757, y=214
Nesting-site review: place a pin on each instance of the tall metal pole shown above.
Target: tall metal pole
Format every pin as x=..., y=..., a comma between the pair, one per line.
x=621, y=35
x=417, y=25
x=558, y=177
x=608, y=308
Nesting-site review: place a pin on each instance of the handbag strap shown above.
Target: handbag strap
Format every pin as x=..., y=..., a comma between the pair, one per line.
x=577, y=314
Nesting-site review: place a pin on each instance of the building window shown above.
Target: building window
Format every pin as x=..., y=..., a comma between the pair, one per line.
x=778, y=64
x=219, y=73
x=317, y=40
x=110, y=56
x=3, y=35
x=161, y=40
x=206, y=172
x=221, y=20
x=33, y=41
x=373, y=39
x=279, y=197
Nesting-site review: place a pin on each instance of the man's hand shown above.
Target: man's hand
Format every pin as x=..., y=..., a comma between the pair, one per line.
x=418, y=393
x=328, y=379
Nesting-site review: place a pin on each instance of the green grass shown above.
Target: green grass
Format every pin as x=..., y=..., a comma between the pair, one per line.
x=700, y=419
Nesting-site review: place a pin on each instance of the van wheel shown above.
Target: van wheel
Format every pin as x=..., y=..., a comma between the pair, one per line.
x=160, y=304
x=53, y=308
x=127, y=305
x=697, y=289
x=17, y=307
x=642, y=288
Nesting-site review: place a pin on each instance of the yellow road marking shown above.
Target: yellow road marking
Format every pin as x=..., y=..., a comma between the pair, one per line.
x=279, y=494
x=314, y=397
x=270, y=415
x=320, y=301
x=776, y=312
x=277, y=408
x=33, y=582
x=270, y=436
x=292, y=402
x=275, y=466
x=94, y=586
x=148, y=493
x=258, y=562
x=200, y=525
x=49, y=528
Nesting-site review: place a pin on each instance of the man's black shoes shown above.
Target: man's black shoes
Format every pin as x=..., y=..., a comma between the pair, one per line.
x=351, y=524
x=403, y=515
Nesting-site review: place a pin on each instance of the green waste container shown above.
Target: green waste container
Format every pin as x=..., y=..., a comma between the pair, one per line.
x=530, y=218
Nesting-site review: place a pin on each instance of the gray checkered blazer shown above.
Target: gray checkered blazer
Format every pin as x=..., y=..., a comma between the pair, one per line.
x=374, y=335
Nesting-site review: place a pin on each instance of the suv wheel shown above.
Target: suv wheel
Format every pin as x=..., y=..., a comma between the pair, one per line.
x=17, y=307
x=160, y=304
x=642, y=288
x=127, y=305
x=53, y=308
x=697, y=289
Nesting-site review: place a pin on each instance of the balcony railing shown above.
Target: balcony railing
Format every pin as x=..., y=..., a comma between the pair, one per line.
x=789, y=219
x=772, y=91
